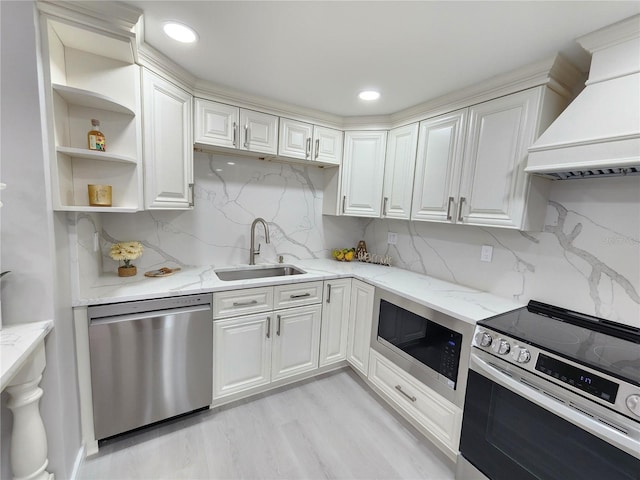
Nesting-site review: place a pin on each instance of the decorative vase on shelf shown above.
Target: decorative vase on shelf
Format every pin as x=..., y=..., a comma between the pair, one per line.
x=126, y=251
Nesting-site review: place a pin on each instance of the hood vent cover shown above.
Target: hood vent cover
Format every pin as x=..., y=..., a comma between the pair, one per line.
x=598, y=134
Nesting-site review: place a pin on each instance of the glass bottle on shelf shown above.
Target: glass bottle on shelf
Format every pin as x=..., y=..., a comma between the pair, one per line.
x=96, y=137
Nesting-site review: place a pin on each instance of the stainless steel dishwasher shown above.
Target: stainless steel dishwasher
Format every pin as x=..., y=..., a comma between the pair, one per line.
x=150, y=360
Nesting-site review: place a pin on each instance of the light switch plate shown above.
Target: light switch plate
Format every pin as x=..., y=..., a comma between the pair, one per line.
x=392, y=238
x=486, y=254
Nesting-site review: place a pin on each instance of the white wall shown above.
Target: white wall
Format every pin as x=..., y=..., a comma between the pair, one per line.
x=37, y=289
x=587, y=259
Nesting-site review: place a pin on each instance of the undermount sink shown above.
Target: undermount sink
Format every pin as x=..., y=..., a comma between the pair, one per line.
x=247, y=273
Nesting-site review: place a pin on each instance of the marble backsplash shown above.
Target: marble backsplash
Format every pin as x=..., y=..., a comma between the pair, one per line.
x=586, y=259
x=230, y=192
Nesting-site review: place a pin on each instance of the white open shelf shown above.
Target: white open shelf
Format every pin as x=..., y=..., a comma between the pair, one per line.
x=80, y=208
x=95, y=155
x=87, y=98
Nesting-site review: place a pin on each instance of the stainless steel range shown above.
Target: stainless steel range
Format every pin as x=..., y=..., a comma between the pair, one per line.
x=552, y=394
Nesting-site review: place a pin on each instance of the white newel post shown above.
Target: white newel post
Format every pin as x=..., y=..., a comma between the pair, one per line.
x=28, y=437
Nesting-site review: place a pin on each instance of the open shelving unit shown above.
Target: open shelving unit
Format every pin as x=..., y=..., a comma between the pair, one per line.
x=92, y=74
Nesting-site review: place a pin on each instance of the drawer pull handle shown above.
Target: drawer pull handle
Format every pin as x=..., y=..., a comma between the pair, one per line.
x=399, y=388
x=245, y=304
x=268, y=327
x=328, y=293
x=302, y=295
x=279, y=322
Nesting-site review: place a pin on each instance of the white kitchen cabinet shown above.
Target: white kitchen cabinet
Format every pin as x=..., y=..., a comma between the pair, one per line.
x=257, y=341
x=362, y=173
x=494, y=189
x=399, y=172
x=438, y=164
x=361, y=316
x=168, y=144
x=90, y=75
x=222, y=125
x=296, y=340
x=305, y=141
x=439, y=419
x=335, y=321
x=241, y=353
x=470, y=164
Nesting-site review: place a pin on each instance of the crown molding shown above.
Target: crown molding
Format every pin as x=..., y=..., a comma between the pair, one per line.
x=611, y=35
x=152, y=59
x=105, y=15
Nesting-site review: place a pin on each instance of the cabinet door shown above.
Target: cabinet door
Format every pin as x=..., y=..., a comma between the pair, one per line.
x=295, y=139
x=335, y=321
x=296, y=340
x=494, y=185
x=361, y=316
x=362, y=175
x=168, y=144
x=327, y=145
x=440, y=151
x=398, y=172
x=258, y=132
x=216, y=124
x=241, y=353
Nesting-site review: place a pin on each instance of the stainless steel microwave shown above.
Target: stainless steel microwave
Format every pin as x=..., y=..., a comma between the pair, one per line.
x=430, y=345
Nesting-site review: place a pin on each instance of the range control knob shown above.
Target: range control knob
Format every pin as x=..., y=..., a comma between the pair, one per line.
x=520, y=354
x=633, y=404
x=501, y=346
x=483, y=339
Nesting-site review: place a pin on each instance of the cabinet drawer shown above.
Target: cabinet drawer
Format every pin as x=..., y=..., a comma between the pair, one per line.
x=439, y=417
x=242, y=302
x=297, y=294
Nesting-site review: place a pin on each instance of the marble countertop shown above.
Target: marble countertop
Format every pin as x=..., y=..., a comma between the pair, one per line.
x=460, y=302
x=17, y=342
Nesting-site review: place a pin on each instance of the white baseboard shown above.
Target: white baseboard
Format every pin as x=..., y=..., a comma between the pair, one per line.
x=78, y=463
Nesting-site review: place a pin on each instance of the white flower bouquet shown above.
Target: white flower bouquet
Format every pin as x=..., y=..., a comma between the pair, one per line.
x=126, y=251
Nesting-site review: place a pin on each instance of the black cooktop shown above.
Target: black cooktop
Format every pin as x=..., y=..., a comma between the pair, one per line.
x=604, y=345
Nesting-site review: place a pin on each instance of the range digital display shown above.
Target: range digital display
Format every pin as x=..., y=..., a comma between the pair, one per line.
x=578, y=378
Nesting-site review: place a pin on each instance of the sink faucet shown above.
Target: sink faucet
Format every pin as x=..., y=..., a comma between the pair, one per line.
x=252, y=250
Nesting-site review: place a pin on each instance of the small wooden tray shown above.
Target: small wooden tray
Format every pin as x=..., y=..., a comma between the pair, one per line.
x=161, y=272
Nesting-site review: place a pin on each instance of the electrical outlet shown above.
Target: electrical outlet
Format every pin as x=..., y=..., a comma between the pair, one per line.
x=486, y=253
x=392, y=238
x=96, y=242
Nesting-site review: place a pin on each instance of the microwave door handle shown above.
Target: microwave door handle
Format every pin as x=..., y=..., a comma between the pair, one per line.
x=592, y=426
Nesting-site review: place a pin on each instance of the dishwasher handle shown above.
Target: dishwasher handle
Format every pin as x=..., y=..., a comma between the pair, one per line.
x=132, y=317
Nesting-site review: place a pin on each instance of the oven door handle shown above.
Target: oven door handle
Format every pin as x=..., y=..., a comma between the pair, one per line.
x=600, y=430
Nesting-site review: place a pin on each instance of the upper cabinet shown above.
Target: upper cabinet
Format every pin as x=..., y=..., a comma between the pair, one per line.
x=89, y=75
x=470, y=163
x=221, y=125
x=399, y=171
x=168, y=144
x=362, y=173
x=305, y=141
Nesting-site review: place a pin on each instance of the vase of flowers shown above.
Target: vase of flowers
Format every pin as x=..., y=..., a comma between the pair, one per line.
x=126, y=251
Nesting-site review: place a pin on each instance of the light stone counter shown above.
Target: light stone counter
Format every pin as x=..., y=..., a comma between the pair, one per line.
x=17, y=343
x=461, y=302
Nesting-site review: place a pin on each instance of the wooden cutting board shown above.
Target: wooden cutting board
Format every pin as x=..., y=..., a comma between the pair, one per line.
x=161, y=272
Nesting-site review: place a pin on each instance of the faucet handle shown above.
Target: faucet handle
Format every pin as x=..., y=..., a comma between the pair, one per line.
x=257, y=252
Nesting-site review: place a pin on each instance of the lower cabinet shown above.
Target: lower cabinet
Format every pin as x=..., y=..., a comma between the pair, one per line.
x=335, y=321
x=254, y=350
x=361, y=316
x=441, y=420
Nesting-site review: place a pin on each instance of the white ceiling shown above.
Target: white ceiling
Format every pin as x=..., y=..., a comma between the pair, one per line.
x=321, y=54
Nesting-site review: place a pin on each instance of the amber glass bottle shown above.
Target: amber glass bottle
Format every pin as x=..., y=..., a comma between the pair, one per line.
x=96, y=137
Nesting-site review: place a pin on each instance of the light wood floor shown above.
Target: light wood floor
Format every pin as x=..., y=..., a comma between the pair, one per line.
x=332, y=426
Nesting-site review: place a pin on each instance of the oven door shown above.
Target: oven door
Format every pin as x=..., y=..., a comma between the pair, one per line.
x=513, y=428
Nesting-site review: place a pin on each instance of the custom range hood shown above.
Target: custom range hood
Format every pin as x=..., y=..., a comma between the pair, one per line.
x=599, y=132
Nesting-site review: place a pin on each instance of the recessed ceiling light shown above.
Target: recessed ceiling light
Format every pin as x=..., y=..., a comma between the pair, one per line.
x=180, y=32
x=369, y=95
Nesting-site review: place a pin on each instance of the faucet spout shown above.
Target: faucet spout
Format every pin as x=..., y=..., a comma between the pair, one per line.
x=252, y=250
